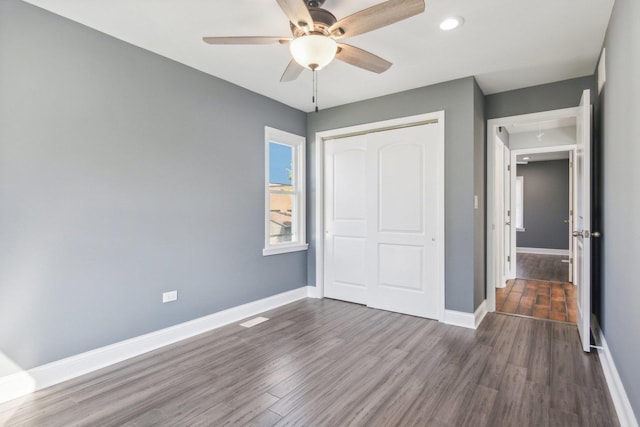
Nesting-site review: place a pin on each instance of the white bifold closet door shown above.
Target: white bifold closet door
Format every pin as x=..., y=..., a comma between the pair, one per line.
x=381, y=220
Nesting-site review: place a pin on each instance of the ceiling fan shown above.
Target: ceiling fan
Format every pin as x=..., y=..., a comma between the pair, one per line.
x=317, y=34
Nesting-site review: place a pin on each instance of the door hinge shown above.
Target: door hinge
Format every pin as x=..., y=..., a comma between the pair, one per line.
x=509, y=212
x=509, y=168
x=508, y=258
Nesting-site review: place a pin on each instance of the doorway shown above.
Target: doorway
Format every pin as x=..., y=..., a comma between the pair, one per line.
x=538, y=194
x=559, y=131
x=543, y=210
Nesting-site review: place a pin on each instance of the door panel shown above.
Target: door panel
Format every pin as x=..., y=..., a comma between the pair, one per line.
x=401, y=181
x=403, y=230
x=345, y=220
x=582, y=229
x=400, y=267
x=498, y=219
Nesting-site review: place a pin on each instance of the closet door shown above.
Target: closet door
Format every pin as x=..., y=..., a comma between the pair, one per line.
x=402, y=220
x=345, y=266
x=383, y=193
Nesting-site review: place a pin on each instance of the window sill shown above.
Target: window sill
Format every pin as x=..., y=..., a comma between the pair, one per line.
x=275, y=250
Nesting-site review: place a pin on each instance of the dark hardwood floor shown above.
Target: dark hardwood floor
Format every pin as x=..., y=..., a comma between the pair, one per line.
x=330, y=363
x=542, y=267
x=539, y=299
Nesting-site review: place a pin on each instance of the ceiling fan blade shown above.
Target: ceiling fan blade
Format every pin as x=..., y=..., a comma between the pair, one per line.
x=297, y=13
x=246, y=40
x=375, y=17
x=292, y=72
x=362, y=59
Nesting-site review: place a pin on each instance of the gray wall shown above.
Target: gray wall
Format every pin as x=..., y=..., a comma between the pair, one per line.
x=456, y=98
x=123, y=175
x=479, y=187
x=617, y=118
x=546, y=205
x=552, y=96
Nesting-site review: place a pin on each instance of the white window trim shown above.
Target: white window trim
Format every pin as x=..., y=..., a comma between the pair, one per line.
x=299, y=221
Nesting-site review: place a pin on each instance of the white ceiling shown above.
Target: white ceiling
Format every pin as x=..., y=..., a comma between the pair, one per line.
x=506, y=44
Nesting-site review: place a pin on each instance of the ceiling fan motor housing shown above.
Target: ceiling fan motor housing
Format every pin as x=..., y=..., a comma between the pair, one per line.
x=313, y=3
x=322, y=20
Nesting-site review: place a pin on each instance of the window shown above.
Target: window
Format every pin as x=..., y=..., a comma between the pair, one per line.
x=519, y=203
x=284, y=193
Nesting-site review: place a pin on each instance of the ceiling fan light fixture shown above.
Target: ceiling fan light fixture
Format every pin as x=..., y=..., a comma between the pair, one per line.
x=313, y=51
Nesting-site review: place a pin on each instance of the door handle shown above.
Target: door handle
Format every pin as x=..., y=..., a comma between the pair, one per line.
x=507, y=223
x=566, y=221
x=578, y=233
x=595, y=234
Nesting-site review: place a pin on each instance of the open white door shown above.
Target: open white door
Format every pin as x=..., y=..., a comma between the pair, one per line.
x=582, y=233
x=498, y=212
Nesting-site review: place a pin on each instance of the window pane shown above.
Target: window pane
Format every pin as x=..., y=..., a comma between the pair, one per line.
x=280, y=167
x=280, y=218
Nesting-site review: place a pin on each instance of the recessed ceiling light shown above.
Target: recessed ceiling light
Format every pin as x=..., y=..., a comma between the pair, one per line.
x=451, y=22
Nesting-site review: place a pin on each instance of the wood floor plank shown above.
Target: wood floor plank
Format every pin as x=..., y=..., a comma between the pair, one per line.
x=536, y=403
x=506, y=409
x=478, y=408
x=265, y=419
x=329, y=363
x=539, y=367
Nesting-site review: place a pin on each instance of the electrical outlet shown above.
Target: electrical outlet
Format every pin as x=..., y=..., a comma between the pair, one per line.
x=169, y=296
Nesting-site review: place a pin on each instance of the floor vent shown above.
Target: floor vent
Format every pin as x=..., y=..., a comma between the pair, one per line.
x=253, y=322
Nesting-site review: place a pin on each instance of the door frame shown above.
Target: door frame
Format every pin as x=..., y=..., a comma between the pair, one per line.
x=492, y=128
x=321, y=137
x=498, y=232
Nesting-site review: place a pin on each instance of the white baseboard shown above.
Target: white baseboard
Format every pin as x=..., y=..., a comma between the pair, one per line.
x=616, y=389
x=313, y=292
x=479, y=314
x=25, y=382
x=543, y=251
x=466, y=320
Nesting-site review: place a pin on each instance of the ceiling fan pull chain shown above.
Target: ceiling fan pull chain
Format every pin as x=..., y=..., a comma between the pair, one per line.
x=315, y=89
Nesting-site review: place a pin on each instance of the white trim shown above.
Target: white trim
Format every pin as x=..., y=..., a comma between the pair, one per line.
x=543, y=251
x=479, y=314
x=540, y=150
x=274, y=250
x=313, y=292
x=299, y=221
x=321, y=137
x=619, y=396
x=492, y=127
x=25, y=382
x=460, y=318
x=464, y=319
